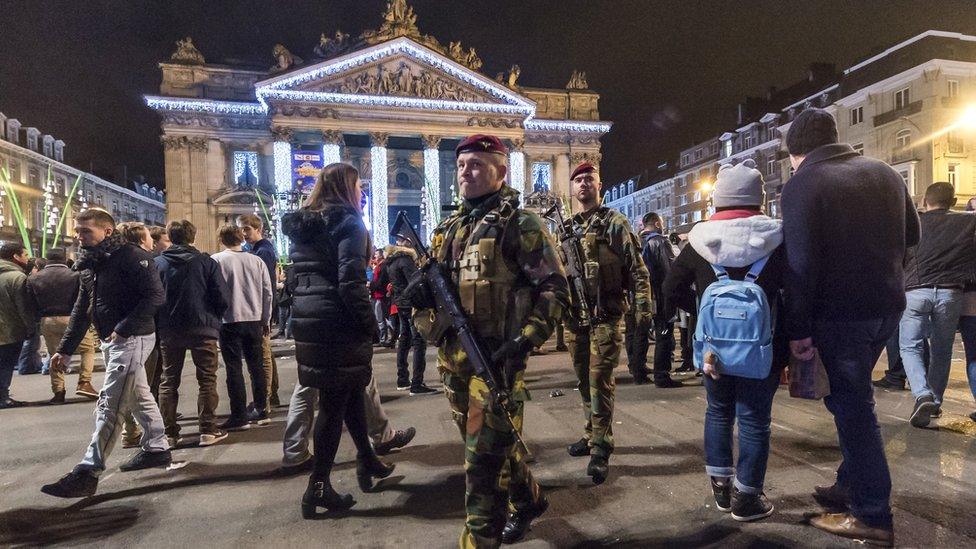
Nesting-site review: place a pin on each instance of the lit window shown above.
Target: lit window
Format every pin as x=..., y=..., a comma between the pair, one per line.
x=541, y=176
x=953, y=88
x=902, y=98
x=953, y=174
x=245, y=168
x=857, y=115
x=727, y=149
x=903, y=139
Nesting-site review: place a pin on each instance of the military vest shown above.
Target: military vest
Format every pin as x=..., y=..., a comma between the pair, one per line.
x=603, y=267
x=496, y=301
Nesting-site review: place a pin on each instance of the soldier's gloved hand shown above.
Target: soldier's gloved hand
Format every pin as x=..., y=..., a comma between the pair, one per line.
x=645, y=316
x=518, y=347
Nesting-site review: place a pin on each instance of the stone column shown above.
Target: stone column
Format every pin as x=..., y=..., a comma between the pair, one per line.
x=331, y=147
x=560, y=180
x=432, y=184
x=516, y=165
x=378, y=189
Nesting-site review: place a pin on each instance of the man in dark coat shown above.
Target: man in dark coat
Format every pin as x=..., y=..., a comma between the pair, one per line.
x=190, y=320
x=120, y=292
x=400, y=266
x=847, y=222
x=658, y=255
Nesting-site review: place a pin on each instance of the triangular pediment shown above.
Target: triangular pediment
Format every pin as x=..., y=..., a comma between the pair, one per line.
x=397, y=68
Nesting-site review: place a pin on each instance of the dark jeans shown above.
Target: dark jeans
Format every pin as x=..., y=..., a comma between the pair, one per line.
x=203, y=351
x=750, y=401
x=687, y=336
x=849, y=351
x=284, y=321
x=637, y=342
x=967, y=331
x=663, y=350
x=337, y=403
x=896, y=368
x=410, y=338
x=243, y=342
x=9, y=355
x=29, y=361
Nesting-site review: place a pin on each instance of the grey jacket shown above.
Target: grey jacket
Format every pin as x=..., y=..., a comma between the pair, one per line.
x=17, y=316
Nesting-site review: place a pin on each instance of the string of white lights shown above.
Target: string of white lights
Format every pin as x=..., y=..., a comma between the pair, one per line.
x=204, y=105
x=378, y=191
x=516, y=177
x=330, y=154
x=432, y=191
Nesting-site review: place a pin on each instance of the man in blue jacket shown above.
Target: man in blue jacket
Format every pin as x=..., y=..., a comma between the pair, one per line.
x=847, y=222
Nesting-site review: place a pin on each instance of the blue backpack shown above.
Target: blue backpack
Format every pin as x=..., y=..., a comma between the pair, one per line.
x=735, y=323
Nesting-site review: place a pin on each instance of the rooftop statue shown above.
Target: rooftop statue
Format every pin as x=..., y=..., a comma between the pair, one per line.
x=284, y=59
x=186, y=53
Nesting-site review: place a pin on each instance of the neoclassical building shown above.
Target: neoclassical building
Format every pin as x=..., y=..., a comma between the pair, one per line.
x=393, y=102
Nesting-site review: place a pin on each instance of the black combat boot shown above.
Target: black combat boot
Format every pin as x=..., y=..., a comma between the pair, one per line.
x=579, y=448
x=520, y=520
x=598, y=469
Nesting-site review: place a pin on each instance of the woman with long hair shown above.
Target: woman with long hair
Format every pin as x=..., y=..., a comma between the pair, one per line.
x=333, y=326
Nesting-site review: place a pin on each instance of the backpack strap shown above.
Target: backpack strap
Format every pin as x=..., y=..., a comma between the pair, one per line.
x=756, y=269
x=720, y=272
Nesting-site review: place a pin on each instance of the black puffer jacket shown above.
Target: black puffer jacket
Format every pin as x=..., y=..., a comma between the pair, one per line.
x=120, y=292
x=331, y=316
x=196, y=296
x=401, y=264
x=54, y=290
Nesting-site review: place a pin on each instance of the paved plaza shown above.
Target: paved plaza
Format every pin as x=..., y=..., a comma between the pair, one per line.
x=231, y=495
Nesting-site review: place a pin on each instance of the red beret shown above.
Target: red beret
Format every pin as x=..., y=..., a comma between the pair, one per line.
x=585, y=167
x=481, y=143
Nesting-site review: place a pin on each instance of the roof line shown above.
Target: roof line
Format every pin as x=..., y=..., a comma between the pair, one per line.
x=912, y=40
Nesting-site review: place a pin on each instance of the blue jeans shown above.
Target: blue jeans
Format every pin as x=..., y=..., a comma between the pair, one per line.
x=30, y=359
x=9, y=354
x=933, y=315
x=751, y=401
x=849, y=351
x=967, y=329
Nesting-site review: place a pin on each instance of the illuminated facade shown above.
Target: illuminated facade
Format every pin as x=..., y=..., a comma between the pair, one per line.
x=392, y=102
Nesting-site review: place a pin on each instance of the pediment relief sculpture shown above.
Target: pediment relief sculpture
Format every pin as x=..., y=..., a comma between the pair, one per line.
x=401, y=80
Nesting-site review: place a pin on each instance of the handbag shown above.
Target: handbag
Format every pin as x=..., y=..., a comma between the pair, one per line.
x=808, y=378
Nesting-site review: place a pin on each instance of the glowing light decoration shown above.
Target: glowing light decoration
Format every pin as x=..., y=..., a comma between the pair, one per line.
x=204, y=105
x=567, y=126
x=246, y=162
x=330, y=154
x=432, y=191
x=282, y=166
x=378, y=186
x=394, y=101
x=516, y=176
x=541, y=176
x=398, y=46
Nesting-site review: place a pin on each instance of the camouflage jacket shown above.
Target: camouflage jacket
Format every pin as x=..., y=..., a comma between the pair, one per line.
x=528, y=251
x=617, y=255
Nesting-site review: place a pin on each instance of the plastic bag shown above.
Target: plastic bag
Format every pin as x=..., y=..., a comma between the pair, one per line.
x=808, y=378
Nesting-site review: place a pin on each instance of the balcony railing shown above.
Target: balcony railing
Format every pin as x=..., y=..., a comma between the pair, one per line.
x=892, y=115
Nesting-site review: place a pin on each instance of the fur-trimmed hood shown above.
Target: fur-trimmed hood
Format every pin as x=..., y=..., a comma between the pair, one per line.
x=306, y=225
x=736, y=242
x=393, y=251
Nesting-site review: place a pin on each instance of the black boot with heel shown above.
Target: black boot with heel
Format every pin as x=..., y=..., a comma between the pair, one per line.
x=372, y=468
x=320, y=494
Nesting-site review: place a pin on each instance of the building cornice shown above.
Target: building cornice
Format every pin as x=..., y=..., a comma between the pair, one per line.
x=209, y=106
x=912, y=40
x=576, y=126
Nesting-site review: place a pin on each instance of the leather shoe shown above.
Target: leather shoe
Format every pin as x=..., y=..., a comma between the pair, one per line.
x=579, y=448
x=847, y=526
x=834, y=495
x=598, y=469
x=520, y=520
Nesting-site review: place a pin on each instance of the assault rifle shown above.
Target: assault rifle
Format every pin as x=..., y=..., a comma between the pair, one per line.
x=447, y=303
x=569, y=239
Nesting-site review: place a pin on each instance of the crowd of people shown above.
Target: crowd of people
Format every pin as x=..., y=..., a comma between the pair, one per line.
x=852, y=269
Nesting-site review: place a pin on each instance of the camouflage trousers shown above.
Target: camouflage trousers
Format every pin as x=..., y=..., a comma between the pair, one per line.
x=495, y=471
x=595, y=354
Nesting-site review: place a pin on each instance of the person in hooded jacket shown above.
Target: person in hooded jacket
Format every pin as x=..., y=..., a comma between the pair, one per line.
x=334, y=327
x=190, y=320
x=400, y=266
x=737, y=236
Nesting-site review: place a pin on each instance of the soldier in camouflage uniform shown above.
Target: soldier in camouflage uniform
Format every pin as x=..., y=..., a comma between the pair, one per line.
x=613, y=268
x=513, y=288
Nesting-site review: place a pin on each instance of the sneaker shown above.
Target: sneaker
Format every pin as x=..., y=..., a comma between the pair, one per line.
x=86, y=390
x=684, y=369
x=423, y=390
x=925, y=406
x=146, y=460
x=399, y=440
x=937, y=413
x=58, y=398
x=11, y=403
x=885, y=383
x=76, y=484
x=722, y=490
x=174, y=441
x=749, y=507
x=211, y=438
x=402, y=386
x=234, y=424
x=258, y=417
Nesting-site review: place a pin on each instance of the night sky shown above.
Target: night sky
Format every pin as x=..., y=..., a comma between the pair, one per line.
x=670, y=72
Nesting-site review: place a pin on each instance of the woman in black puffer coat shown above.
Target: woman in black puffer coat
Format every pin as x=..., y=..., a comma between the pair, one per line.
x=333, y=326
